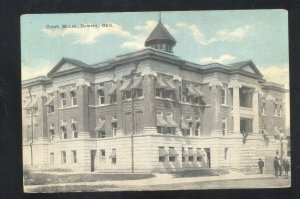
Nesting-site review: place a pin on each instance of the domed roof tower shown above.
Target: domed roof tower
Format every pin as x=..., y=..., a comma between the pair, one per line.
x=161, y=39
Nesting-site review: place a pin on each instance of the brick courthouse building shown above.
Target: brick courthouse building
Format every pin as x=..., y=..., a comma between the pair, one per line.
x=151, y=111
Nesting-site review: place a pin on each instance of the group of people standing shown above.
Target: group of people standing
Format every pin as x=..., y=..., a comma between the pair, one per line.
x=278, y=166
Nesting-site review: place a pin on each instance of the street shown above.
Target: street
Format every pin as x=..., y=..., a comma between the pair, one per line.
x=224, y=184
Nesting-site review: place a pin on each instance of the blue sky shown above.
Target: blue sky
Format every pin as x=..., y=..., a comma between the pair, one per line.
x=202, y=37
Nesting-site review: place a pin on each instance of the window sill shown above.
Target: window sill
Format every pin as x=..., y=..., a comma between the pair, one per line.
x=101, y=105
x=166, y=99
x=67, y=107
x=225, y=105
x=246, y=108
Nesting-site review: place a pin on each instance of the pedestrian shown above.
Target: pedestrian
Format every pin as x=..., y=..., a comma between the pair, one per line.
x=276, y=166
x=279, y=167
x=286, y=168
x=261, y=165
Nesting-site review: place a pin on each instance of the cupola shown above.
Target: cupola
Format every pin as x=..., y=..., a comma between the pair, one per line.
x=161, y=39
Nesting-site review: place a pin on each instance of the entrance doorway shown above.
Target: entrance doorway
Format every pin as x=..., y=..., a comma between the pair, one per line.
x=207, y=150
x=93, y=157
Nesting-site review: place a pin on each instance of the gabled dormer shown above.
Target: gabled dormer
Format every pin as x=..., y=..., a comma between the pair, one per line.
x=67, y=65
x=247, y=67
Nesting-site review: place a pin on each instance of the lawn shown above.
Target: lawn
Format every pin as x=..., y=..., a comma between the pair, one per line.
x=44, y=178
x=199, y=173
x=73, y=188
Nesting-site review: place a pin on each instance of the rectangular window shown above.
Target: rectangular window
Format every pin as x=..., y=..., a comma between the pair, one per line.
x=102, y=156
x=101, y=96
x=75, y=134
x=73, y=98
x=114, y=158
x=170, y=130
x=63, y=157
x=171, y=157
x=189, y=99
x=225, y=153
x=199, y=158
x=190, y=129
x=114, y=126
x=63, y=100
x=191, y=157
x=224, y=126
x=50, y=109
x=101, y=134
x=279, y=110
x=74, y=129
x=169, y=114
x=159, y=92
x=180, y=93
x=126, y=95
x=170, y=94
x=64, y=133
x=197, y=130
x=161, y=157
x=159, y=114
x=113, y=98
x=74, y=157
x=223, y=95
x=160, y=129
x=137, y=93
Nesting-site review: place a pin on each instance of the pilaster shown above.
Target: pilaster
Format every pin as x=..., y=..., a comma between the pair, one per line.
x=215, y=87
x=83, y=101
x=149, y=103
x=120, y=131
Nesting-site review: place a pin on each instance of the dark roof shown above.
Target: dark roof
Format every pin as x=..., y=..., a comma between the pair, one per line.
x=160, y=33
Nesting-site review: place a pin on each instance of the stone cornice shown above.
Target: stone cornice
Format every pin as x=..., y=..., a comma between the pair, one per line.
x=215, y=82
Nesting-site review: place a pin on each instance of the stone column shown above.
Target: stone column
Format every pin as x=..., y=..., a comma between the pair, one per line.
x=149, y=102
x=215, y=87
x=235, y=85
x=256, y=112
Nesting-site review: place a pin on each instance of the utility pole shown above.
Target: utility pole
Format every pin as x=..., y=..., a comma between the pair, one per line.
x=132, y=117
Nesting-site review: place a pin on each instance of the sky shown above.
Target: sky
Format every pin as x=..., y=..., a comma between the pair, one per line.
x=202, y=37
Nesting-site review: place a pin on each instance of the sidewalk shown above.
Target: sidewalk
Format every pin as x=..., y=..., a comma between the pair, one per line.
x=159, y=179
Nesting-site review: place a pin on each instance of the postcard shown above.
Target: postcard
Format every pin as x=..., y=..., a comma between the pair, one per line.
x=138, y=101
